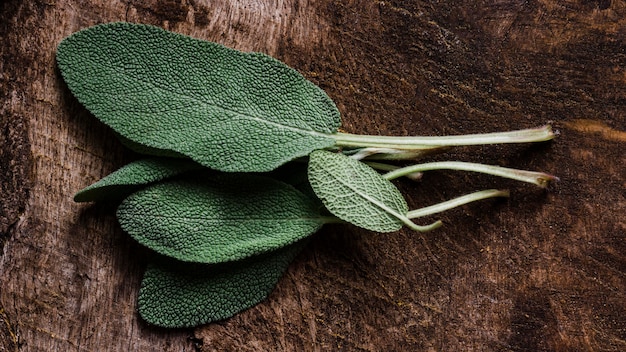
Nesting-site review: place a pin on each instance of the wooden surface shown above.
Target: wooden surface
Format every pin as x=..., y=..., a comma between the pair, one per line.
x=543, y=271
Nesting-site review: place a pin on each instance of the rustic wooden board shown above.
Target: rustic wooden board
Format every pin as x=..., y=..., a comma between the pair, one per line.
x=543, y=271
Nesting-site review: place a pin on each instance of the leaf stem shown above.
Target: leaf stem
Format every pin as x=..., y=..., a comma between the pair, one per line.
x=538, y=178
x=456, y=202
x=415, y=143
x=423, y=228
x=373, y=153
x=415, y=176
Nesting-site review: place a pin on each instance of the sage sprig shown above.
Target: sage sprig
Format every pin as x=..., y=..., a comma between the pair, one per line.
x=225, y=199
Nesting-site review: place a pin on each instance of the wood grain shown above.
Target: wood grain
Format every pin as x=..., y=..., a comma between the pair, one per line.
x=544, y=271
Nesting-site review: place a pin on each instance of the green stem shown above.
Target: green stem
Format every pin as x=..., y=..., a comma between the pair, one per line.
x=539, y=178
x=406, y=154
x=420, y=228
x=372, y=153
x=415, y=143
x=416, y=176
x=456, y=202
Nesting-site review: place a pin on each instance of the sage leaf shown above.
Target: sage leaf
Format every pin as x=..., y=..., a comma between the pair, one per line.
x=132, y=177
x=176, y=294
x=356, y=193
x=218, y=219
x=226, y=109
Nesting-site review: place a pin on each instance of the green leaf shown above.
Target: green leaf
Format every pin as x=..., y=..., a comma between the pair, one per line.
x=132, y=177
x=219, y=219
x=176, y=294
x=225, y=109
x=356, y=193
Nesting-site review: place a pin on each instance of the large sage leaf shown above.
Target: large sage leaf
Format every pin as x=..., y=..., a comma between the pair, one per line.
x=356, y=193
x=133, y=176
x=219, y=219
x=176, y=294
x=225, y=109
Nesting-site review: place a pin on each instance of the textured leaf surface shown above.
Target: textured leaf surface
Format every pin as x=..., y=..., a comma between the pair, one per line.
x=223, y=218
x=131, y=177
x=176, y=294
x=356, y=193
x=226, y=109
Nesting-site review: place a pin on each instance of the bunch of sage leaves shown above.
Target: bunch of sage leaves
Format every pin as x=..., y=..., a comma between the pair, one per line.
x=244, y=161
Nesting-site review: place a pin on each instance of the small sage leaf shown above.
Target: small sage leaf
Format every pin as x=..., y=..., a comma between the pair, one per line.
x=227, y=110
x=356, y=193
x=133, y=176
x=176, y=294
x=219, y=219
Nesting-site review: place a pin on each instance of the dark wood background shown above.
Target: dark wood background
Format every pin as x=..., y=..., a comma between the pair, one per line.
x=543, y=271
